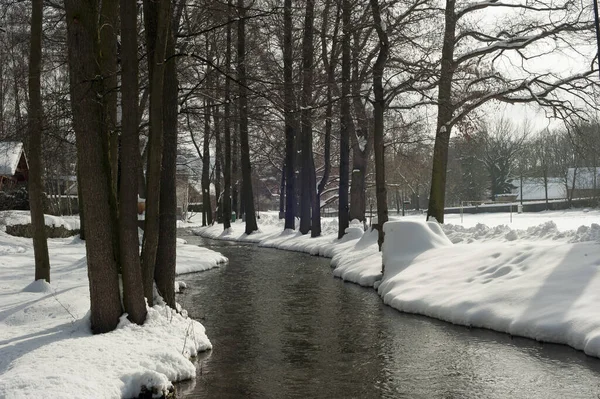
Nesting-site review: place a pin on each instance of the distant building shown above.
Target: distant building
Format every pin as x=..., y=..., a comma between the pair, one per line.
x=14, y=169
x=534, y=188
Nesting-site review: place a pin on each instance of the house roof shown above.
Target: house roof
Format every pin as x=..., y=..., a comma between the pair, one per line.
x=10, y=154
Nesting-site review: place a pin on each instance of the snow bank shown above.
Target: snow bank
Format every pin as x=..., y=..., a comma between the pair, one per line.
x=541, y=281
x=535, y=289
x=9, y=218
x=47, y=349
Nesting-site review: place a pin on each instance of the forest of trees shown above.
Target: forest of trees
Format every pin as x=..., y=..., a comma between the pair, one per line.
x=345, y=104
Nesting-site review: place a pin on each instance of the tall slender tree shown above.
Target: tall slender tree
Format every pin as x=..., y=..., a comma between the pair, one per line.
x=157, y=17
x=166, y=255
x=247, y=193
x=227, y=125
x=345, y=122
x=378, y=116
x=288, y=83
x=36, y=186
x=133, y=288
x=307, y=170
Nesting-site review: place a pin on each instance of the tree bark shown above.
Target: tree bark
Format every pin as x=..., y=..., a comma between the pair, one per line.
x=378, y=131
x=207, y=218
x=359, y=136
x=108, y=68
x=82, y=30
x=243, y=123
x=227, y=128
x=345, y=122
x=129, y=246
x=157, y=18
x=307, y=171
x=288, y=88
x=36, y=169
x=218, y=157
x=437, y=194
x=166, y=255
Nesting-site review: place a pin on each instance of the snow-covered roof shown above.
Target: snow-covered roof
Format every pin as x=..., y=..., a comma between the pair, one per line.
x=10, y=154
x=586, y=178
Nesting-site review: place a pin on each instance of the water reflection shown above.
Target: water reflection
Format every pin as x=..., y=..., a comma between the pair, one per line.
x=282, y=327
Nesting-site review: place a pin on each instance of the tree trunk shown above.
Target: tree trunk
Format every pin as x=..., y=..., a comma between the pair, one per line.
x=345, y=122
x=243, y=123
x=129, y=246
x=166, y=255
x=82, y=29
x=218, y=156
x=157, y=18
x=36, y=169
x=307, y=171
x=359, y=136
x=378, y=131
x=288, y=88
x=207, y=219
x=227, y=128
x=235, y=174
x=108, y=68
x=282, y=193
x=437, y=194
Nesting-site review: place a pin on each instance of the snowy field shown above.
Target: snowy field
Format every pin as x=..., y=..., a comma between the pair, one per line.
x=46, y=347
x=536, y=277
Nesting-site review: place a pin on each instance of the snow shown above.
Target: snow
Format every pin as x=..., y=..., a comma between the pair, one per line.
x=534, y=188
x=46, y=346
x=10, y=154
x=536, y=277
x=9, y=218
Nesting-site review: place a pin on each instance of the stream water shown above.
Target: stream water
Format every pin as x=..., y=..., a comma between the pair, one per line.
x=283, y=327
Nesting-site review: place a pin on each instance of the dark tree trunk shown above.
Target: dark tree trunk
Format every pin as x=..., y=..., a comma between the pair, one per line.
x=133, y=288
x=282, y=193
x=359, y=136
x=345, y=122
x=108, y=65
x=157, y=17
x=82, y=30
x=227, y=128
x=36, y=169
x=207, y=218
x=235, y=170
x=437, y=194
x=218, y=157
x=378, y=113
x=166, y=255
x=109, y=17
x=307, y=172
x=243, y=123
x=288, y=83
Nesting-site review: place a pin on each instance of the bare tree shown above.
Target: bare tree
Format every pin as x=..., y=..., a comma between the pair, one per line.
x=36, y=186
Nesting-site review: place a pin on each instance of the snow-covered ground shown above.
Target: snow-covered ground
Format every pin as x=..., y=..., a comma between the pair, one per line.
x=47, y=349
x=537, y=277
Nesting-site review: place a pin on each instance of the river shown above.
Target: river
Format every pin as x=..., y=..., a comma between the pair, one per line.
x=283, y=327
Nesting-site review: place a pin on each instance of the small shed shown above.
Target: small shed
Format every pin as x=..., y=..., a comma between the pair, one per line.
x=14, y=169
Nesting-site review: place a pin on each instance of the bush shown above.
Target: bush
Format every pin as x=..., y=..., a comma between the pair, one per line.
x=26, y=230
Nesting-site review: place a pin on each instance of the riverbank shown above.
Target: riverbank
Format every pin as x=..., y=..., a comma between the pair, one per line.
x=46, y=346
x=540, y=282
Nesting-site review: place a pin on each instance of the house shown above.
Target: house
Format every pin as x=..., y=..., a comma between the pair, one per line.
x=583, y=182
x=14, y=169
x=534, y=188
